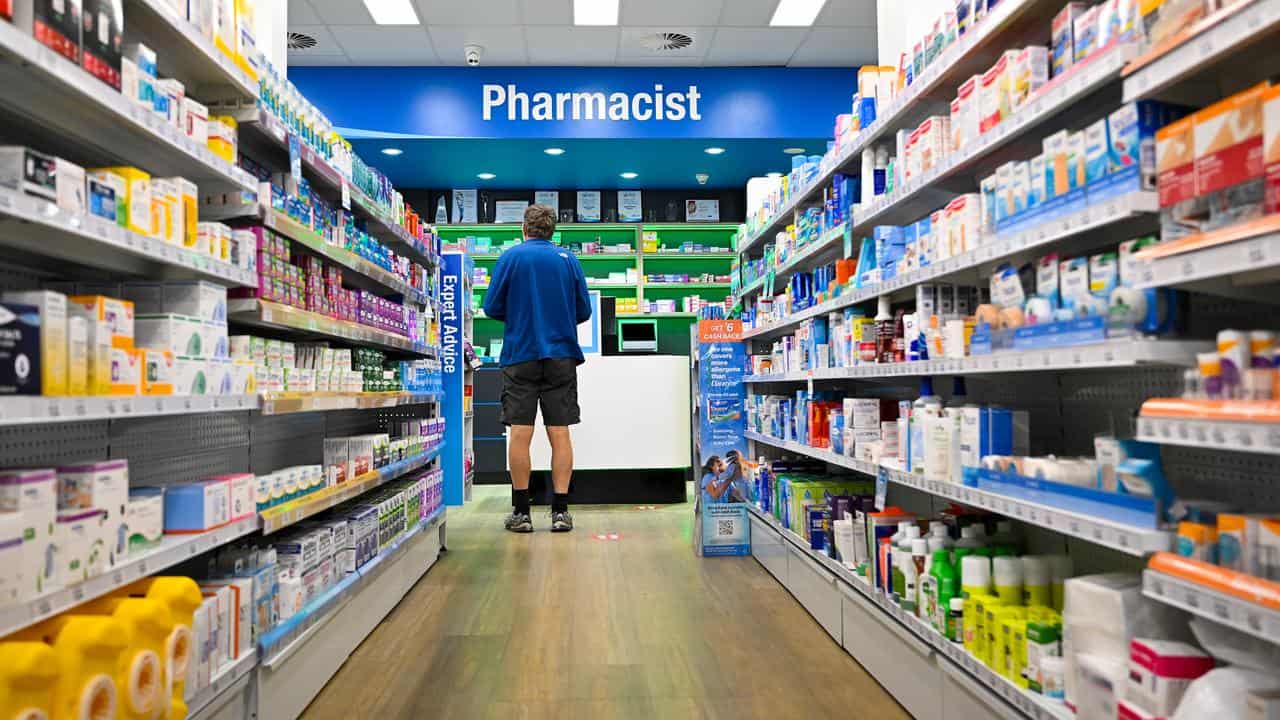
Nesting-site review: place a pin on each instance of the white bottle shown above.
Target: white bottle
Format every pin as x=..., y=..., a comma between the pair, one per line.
x=902, y=561
x=913, y=571
x=938, y=531
x=928, y=596
x=971, y=536
x=925, y=407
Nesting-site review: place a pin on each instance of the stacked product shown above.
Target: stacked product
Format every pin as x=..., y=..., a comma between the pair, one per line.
x=280, y=366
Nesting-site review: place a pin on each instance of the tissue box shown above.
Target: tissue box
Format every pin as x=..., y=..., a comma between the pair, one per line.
x=144, y=516
x=33, y=495
x=1160, y=672
x=197, y=507
x=100, y=486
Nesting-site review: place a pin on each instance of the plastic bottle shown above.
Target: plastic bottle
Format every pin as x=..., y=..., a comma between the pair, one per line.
x=938, y=531
x=899, y=337
x=892, y=561
x=913, y=571
x=975, y=576
x=955, y=620
x=28, y=678
x=928, y=593
x=1007, y=573
x=1060, y=569
x=1004, y=534
x=947, y=586
x=970, y=538
x=929, y=405
x=884, y=331
x=1036, y=584
x=902, y=559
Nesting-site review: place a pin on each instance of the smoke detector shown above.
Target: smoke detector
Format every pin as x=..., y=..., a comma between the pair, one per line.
x=300, y=41
x=661, y=42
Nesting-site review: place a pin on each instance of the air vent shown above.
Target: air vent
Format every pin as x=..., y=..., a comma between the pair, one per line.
x=666, y=41
x=299, y=41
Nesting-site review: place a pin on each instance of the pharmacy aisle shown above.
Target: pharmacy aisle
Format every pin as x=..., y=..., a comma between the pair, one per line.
x=615, y=620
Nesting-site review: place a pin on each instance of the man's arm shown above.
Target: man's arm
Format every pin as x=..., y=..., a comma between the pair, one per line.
x=584, y=298
x=495, y=300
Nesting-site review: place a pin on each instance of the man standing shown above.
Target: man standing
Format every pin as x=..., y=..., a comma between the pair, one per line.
x=539, y=293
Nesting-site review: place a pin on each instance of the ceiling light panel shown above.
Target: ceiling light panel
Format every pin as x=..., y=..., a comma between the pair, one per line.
x=392, y=12
x=595, y=12
x=796, y=13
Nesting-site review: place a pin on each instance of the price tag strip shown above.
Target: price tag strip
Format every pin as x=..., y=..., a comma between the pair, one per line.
x=1260, y=437
x=1211, y=263
x=27, y=410
x=1257, y=620
x=172, y=550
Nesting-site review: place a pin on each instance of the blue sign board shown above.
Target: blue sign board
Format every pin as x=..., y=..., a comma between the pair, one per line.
x=541, y=102
x=453, y=302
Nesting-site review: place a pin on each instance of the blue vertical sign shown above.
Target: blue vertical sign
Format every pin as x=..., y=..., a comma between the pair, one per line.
x=721, y=366
x=452, y=298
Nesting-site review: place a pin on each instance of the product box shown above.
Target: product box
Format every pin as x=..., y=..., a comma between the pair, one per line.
x=1047, y=287
x=1096, y=152
x=144, y=516
x=1131, y=140
x=298, y=552
x=196, y=507
x=101, y=199
x=158, y=372
x=359, y=455
x=77, y=356
x=1085, y=34
x=1075, y=160
x=1228, y=141
x=33, y=496
x=29, y=171
x=165, y=211
x=1057, y=182
x=337, y=459
x=103, y=31
x=965, y=121
x=52, y=356
x=102, y=181
x=69, y=181
x=20, y=350
x=994, y=95
x=117, y=314
x=1104, y=274
x=1271, y=147
x=195, y=120
x=137, y=199
x=80, y=550
x=1063, y=45
x=1073, y=277
x=241, y=494
x=1030, y=73
x=97, y=340
x=203, y=301
x=1176, y=161
x=53, y=23
x=1160, y=672
x=1020, y=186
x=1037, y=192
x=100, y=486
x=179, y=334
x=964, y=223
x=10, y=557
x=221, y=376
x=240, y=594
x=126, y=372
x=191, y=376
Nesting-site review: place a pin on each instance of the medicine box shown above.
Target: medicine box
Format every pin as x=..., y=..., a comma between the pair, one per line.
x=10, y=557
x=159, y=371
x=144, y=517
x=1228, y=141
x=104, y=28
x=32, y=494
x=53, y=23
x=199, y=300
x=80, y=550
x=52, y=357
x=1030, y=73
x=116, y=313
x=106, y=186
x=196, y=507
x=165, y=211
x=242, y=491
x=1085, y=34
x=1075, y=160
x=28, y=171
x=994, y=93
x=1160, y=671
x=1131, y=140
x=179, y=334
x=1271, y=147
x=1057, y=182
x=1175, y=161
x=102, y=486
x=77, y=356
x=69, y=182
x=20, y=355
x=1096, y=152
x=126, y=372
x=137, y=199
x=298, y=552
x=1063, y=44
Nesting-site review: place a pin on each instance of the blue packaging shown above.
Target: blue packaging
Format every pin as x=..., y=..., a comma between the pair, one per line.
x=866, y=111
x=1096, y=152
x=197, y=507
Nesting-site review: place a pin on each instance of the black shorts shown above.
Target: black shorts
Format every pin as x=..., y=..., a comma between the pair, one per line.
x=553, y=383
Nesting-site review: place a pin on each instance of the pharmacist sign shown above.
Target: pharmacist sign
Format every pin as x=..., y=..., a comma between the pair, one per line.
x=540, y=102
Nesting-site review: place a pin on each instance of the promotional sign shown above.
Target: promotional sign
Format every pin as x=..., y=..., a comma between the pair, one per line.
x=629, y=206
x=591, y=102
x=702, y=211
x=454, y=267
x=722, y=422
x=464, y=206
x=550, y=198
x=509, y=211
x=588, y=206
x=726, y=531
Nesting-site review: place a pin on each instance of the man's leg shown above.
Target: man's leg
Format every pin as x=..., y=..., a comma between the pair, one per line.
x=519, y=410
x=559, y=411
x=561, y=463
x=518, y=440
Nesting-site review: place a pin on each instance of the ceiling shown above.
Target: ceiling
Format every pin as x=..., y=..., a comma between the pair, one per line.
x=587, y=164
x=541, y=32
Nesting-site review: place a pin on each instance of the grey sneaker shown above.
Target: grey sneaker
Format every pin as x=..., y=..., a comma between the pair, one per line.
x=561, y=521
x=519, y=523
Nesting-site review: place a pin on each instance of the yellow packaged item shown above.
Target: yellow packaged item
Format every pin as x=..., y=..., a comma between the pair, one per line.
x=974, y=618
x=188, y=199
x=87, y=648
x=1010, y=656
x=181, y=596
x=126, y=372
x=165, y=211
x=28, y=680
x=140, y=680
x=137, y=199
x=247, y=55
x=158, y=371
x=222, y=137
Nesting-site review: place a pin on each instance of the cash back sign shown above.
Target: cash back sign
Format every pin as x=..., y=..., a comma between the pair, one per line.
x=722, y=421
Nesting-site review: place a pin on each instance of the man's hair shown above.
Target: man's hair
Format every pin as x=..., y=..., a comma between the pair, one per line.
x=539, y=222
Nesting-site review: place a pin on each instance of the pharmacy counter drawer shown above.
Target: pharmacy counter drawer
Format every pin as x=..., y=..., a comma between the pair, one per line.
x=769, y=549
x=815, y=588
x=895, y=657
x=488, y=384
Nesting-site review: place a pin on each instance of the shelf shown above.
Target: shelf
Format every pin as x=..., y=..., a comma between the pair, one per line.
x=311, y=240
x=295, y=511
x=612, y=286
x=1220, y=262
x=1048, y=105
x=986, y=685
x=1118, y=353
x=688, y=285
x=41, y=230
x=35, y=409
x=84, y=119
x=664, y=315
x=1125, y=208
x=263, y=313
x=689, y=256
x=286, y=403
x=692, y=226
x=173, y=549
x=1124, y=538
x=1197, y=51
x=230, y=679
x=1235, y=426
x=276, y=645
x=818, y=248
x=581, y=258
x=1236, y=612
x=183, y=52
x=972, y=53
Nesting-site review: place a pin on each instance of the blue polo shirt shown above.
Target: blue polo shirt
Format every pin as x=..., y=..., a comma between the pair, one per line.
x=539, y=293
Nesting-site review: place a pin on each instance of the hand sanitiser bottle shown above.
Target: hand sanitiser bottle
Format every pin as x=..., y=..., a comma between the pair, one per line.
x=927, y=404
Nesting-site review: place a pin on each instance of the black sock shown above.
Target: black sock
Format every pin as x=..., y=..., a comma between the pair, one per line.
x=520, y=501
x=560, y=502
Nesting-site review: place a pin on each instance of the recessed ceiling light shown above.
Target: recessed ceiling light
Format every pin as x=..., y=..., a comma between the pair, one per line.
x=793, y=151
x=554, y=151
x=628, y=175
x=392, y=12
x=392, y=151
x=774, y=175
x=714, y=151
x=796, y=13
x=595, y=12
x=486, y=176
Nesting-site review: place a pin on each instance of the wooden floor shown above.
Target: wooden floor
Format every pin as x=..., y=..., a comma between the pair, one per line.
x=568, y=626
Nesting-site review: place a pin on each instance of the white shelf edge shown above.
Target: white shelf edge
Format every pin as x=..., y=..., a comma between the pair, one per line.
x=1219, y=261
x=1234, y=612
x=997, y=688
x=173, y=549
x=1227, y=435
x=230, y=678
x=994, y=247
x=32, y=409
x=1116, y=353
x=1116, y=536
x=252, y=311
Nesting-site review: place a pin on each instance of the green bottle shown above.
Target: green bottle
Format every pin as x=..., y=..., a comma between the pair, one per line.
x=947, y=584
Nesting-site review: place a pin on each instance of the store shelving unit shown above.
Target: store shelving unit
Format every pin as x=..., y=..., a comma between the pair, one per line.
x=230, y=682
x=1230, y=610
x=291, y=320
x=286, y=403
x=457, y=331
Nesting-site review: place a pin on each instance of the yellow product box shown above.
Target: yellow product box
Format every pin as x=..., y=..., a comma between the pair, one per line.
x=158, y=371
x=247, y=55
x=1011, y=656
x=77, y=355
x=98, y=339
x=52, y=307
x=137, y=198
x=222, y=26
x=188, y=201
x=165, y=211
x=117, y=313
x=222, y=137
x=126, y=371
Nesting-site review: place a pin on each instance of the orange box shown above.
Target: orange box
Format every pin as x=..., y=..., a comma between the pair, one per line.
x=116, y=313
x=1271, y=146
x=1176, y=161
x=1228, y=141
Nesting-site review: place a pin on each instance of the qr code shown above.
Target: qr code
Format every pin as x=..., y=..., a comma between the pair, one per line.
x=726, y=528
